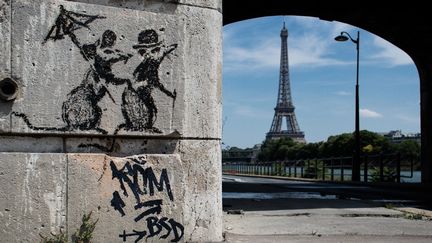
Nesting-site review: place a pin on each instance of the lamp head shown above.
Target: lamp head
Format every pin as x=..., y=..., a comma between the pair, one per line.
x=341, y=37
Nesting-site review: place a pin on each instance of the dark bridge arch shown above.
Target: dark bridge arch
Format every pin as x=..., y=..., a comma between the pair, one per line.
x=406, y=25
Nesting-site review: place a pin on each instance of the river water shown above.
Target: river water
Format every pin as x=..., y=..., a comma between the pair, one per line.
x=406, y=175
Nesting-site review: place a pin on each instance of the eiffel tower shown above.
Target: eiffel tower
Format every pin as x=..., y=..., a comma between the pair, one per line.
x=284, y=106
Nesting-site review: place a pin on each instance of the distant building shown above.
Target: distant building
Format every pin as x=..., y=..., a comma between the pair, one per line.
x=234, y=154
x=396, y=136
x=255, y=151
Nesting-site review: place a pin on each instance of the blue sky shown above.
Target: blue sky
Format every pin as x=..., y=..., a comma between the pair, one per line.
x=322, y=73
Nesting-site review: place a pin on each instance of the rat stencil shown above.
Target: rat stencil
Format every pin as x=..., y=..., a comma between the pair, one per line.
x=80, y=110
x=137, y=98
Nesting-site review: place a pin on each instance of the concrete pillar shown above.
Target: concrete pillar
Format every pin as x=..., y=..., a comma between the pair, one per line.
x=111, y=107
x=424, y=66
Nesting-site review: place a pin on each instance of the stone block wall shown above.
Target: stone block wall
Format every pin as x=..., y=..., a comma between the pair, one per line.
x=111, y=107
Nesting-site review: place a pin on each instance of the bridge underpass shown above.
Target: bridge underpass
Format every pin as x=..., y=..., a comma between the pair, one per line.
x=274, y=210
x=55, y=168
x=405, y=27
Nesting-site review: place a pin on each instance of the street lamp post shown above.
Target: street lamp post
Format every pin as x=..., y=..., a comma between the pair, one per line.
x=344, y=36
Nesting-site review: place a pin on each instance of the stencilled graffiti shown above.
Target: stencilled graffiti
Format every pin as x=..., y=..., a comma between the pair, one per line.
x=81, y=110
x=141, y=182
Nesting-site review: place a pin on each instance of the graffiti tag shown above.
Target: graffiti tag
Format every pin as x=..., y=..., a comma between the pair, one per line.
x=139, y=181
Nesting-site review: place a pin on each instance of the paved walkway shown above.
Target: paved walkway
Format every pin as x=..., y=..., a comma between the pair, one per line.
x=326, y=219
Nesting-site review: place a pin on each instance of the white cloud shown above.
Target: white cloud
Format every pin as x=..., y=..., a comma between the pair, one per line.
x=409, y=119
x=263, y=55
x=308, y=49
x=390, y=53
x=249, y=111
x=329, y=28
x=343, y=93
x=387, y=53
x=241, y=109
x=369, y=113
x=312, y=48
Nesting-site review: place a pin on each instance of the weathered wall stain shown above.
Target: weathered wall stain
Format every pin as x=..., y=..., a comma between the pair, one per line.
x=80, y=110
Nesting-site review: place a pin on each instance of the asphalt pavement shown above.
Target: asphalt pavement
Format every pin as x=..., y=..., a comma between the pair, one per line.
x=274, y=210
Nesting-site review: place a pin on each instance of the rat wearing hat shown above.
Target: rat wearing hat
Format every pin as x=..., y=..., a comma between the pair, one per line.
x=139, y=109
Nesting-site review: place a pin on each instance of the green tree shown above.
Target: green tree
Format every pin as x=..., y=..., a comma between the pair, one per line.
x=339, y=145
x=336, y=146
x=408, y=148
x=275, y=149
x=309, y=150
x=343, y=144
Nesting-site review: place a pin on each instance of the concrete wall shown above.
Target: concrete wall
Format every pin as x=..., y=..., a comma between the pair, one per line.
x=111, y=107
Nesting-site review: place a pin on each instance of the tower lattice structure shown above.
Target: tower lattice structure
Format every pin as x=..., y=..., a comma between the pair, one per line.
x=284, y=105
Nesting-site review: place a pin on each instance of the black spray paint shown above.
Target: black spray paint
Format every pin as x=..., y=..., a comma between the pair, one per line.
x=142, y=182
x=140, y=100
x=132, y=175
x=117, y=203
x=80, y=110
x=155, y=208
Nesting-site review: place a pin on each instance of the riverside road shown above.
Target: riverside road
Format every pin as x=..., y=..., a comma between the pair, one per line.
x=274, y=210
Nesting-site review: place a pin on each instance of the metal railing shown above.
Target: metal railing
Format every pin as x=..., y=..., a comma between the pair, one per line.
x=374, y=168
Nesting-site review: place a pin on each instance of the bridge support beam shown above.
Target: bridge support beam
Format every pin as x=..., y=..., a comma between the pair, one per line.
x=425, y=71
x=111, y=108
